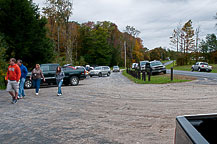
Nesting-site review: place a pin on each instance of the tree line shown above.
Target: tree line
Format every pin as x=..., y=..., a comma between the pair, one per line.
x=190, y=48
x=51, y=37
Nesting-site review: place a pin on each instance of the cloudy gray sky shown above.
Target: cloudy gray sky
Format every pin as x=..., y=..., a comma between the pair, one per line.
x=156, y=19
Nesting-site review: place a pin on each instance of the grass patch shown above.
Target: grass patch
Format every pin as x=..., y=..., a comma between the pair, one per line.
x=2, y=84
x=159, y=79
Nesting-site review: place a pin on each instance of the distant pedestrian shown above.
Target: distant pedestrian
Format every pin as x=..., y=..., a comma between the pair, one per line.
x=36, y=78
x=59, y=79
x=13, y=77
x=24, y=73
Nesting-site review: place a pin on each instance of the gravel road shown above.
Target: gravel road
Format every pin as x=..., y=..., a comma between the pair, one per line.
x=106, y=110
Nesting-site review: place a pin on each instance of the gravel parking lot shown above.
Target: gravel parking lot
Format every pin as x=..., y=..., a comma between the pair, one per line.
x=106, y=110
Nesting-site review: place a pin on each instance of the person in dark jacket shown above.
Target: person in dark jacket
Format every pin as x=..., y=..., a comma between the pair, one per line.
x=59, y=79
x=24, y=73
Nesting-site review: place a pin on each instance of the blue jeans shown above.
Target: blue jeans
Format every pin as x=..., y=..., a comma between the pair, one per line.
x=36, y=84
x=21, y=88
x=59, y=84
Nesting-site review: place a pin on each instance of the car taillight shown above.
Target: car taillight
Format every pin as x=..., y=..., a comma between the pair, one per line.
x=202, y=65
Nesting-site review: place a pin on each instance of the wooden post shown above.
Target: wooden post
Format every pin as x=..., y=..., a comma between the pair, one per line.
x=171, y=73
x=139, y=75
x=144, y=76
x=149, y=75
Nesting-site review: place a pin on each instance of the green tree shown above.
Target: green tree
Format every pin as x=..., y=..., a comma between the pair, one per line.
x=96, y=49
x=25, y=31
x=211, y=42
x=208, y=46
x=3, y=63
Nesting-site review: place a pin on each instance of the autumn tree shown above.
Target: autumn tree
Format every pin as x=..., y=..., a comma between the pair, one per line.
x=138, y=53
x=59, y=11
x=183, y=39
x=189, y=36
x=158, y=54
x=130, y=35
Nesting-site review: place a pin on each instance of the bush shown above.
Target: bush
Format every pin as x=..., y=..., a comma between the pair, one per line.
x=180, y=61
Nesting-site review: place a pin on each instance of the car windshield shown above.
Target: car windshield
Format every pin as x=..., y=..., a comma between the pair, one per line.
x=156, y=63
x=105, y=67
x=97, y=68
x=115, y=67
x=204, y=63
x=143, y=63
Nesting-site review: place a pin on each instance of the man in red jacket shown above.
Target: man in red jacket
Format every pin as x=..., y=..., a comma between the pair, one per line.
x=13, y=77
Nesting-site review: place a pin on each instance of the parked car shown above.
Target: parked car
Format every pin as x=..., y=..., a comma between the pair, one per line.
x=142, y=65
x=82, y=67
x=100, y=71
x=157, y=67
x=116, y=69
x=201, y=66
x=134, y=65
x=72, y=76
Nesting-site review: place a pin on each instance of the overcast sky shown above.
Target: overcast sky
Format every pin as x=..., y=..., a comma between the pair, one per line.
x=155, y=19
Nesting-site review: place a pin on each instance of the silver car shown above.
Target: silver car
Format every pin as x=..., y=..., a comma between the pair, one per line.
x=201, y=66
x=116, y=69
x=100, y=71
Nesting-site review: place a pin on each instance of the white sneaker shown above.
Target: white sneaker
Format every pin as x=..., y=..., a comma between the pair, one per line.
x=58, y=94
x=36, y=94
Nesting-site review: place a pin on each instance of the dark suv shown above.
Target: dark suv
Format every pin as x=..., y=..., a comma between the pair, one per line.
x=72, y=76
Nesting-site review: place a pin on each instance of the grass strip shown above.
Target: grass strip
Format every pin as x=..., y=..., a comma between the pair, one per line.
x=159, y=79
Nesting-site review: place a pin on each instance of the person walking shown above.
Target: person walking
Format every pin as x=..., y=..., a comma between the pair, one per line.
x=36, y=78
x=59, y=79
x=13, y=77
x=24, y=73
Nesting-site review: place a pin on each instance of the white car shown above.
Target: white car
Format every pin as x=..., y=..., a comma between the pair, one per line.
x=100, y=71
x=134, y=65
x=201, y=66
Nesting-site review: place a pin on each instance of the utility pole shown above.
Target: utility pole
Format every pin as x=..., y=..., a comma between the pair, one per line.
x=125, y=55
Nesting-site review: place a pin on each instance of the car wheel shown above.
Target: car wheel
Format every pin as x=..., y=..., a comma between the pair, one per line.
x=199, y=70
x=28, y=84
x=74, y=81
x=91, y=76
x=164, y=72
x=100, y=74
x=108, y=74
x=192, y=69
